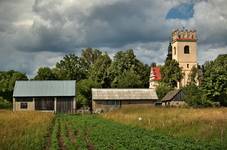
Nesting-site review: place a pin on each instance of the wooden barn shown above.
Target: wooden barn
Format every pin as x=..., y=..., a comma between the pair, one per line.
x=108, y=99
x=174, y=98
x=52, y=95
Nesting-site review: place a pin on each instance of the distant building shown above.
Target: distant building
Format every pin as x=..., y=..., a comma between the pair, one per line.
x=174, y=98
x=109, y=99
x=155, y=76
x=56, y=96
x=184, y=51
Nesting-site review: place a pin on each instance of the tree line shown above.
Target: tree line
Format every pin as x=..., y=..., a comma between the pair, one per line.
x=95, y=69
x=211, y=78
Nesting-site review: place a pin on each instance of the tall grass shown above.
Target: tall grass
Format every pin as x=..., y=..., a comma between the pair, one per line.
x=208, y=124
x=24, y=130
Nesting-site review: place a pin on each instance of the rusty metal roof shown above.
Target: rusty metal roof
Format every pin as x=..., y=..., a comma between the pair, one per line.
x=124, y=94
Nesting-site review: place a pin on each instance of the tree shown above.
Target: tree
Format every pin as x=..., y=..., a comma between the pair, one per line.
x=99, y=71
x=90, y=55
x=125, y=61
x=84, y=96
x=171, y=73
x=162, y=89
x=195, y=76
x=7, y=82
x=215, y=79
x=195, y=96
x=71, y=67
x=45, y=73
x=128, y=79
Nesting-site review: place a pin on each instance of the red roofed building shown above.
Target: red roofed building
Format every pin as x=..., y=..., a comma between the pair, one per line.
x=155, y=76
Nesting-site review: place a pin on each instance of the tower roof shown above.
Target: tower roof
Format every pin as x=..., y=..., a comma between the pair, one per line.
x=184, y=35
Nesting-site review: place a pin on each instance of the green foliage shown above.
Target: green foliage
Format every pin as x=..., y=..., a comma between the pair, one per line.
x=128, y=79
x=92, y=132
x=215, y=79
x=195, y=96
x=90, y=55
x=126, y=63
x=72, y=67
x=162, y=89
x=99, y=70
x=7, y=82
x=171, y=73
x=84, y=91
x=45, y=73
x=4, y=104
x=54, y=136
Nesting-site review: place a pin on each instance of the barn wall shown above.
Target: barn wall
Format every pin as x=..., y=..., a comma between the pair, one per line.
x=65, y=104
x=102, y=104
x=29, y=101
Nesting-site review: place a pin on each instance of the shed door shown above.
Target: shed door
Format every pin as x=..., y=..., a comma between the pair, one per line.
x=44, y=103
x=65, y=104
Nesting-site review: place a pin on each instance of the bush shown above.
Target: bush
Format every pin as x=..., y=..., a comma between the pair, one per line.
x=4, y=104
x=162, y=89
x=196, y=97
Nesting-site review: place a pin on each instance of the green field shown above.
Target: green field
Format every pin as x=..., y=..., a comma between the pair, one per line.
x=115, y=130
x=92, y=132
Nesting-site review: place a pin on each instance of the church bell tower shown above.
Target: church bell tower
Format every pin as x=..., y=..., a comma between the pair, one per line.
x=184, y=51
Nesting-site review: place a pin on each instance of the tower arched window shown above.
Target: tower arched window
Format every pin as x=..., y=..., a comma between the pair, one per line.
x=174, y=50
x=186, y=49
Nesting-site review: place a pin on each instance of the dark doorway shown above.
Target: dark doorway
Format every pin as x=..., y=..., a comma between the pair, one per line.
x=44, y=103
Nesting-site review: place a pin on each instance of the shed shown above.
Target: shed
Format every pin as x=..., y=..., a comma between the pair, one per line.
x=174, y=98
x=48, y=95
x=107, y=99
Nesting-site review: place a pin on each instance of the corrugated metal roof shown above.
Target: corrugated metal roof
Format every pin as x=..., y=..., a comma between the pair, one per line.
x=124, y=94
x=45, y=88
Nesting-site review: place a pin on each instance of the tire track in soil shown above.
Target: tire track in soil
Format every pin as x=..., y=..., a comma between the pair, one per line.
x=60, y=138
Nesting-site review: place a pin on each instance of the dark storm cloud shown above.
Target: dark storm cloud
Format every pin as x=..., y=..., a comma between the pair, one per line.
x=40, y=32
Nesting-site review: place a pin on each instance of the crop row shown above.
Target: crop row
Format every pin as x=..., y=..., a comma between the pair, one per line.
x=92, y=132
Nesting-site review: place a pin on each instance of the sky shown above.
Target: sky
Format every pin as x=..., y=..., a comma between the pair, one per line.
x=38, y=33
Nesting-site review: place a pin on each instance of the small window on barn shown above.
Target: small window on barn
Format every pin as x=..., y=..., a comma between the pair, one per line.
x=186, y=49
x=23, y=105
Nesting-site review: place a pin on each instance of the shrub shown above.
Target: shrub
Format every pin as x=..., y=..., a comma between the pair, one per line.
x=196, y=97
x=4, y=104
x=162, y=90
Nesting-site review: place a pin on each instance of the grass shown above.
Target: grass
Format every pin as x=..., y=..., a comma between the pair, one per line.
x=208, y=124
x=157, y=128
x=93, y=132
x=24, y=130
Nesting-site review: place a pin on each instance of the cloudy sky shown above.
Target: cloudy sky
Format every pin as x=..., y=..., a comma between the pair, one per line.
x=36, y=33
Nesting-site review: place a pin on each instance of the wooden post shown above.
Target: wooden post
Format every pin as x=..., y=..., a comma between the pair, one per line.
x=33, y=103
x=74, y=104
x=14, y=104
x=55, y=104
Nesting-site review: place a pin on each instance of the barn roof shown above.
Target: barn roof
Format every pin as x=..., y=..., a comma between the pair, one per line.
x=124, y=94
x=44, y=88
x=170, y=95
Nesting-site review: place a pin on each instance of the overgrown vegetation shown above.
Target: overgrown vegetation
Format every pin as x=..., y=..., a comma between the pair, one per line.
x=4, y=104
x=92, y=132
x=24, y=130
x=209, y=125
